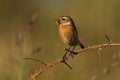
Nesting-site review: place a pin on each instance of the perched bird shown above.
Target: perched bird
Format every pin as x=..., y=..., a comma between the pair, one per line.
x=68, y=32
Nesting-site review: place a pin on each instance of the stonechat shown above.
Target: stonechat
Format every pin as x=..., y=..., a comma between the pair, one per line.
x=68, y=32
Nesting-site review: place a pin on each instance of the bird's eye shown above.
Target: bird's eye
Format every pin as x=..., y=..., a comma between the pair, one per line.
x=63, y=18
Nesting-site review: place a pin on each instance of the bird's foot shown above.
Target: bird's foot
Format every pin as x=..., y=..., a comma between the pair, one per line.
x=64, y=60
x=72, y=53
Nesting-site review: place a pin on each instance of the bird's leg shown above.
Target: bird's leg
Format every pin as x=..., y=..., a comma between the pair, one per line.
x=72, y=52
x=64, y=57
x=73, y=48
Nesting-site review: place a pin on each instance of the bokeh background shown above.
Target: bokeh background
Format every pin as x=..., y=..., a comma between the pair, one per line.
x=28, y=29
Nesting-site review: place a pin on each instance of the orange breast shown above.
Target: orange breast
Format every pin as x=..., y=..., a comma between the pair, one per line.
x=66, y=33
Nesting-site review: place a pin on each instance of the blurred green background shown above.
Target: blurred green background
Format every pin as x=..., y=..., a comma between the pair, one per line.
x=28, y=29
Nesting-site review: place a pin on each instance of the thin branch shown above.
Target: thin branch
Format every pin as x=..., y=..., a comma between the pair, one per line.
x=67, y=64
x=109, y=41
x=99, y=55
x=36, y=60
x=59, y=60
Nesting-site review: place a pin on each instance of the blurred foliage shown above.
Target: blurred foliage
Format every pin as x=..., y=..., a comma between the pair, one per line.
x=20, y=38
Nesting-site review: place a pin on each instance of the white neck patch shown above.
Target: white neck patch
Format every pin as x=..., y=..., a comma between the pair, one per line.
x=66, y=23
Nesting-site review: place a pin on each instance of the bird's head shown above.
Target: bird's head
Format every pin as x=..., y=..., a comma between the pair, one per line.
x=64, y=20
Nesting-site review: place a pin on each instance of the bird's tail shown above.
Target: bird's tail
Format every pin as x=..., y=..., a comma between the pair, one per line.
x=81, y=45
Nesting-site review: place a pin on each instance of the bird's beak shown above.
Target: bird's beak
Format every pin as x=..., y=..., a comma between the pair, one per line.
x=57, y=21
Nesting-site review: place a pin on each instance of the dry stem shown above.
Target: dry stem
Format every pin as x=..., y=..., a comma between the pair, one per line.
x=59, y=60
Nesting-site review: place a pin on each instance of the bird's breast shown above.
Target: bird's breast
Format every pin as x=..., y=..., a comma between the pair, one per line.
x=66, y=33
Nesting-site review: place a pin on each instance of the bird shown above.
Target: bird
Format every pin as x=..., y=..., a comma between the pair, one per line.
x=68, y=34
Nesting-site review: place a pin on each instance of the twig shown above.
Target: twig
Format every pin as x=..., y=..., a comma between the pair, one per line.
x=67, y=64
x=36, y=60
x=99, y=55
x=59, y=60
x=109, y=41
